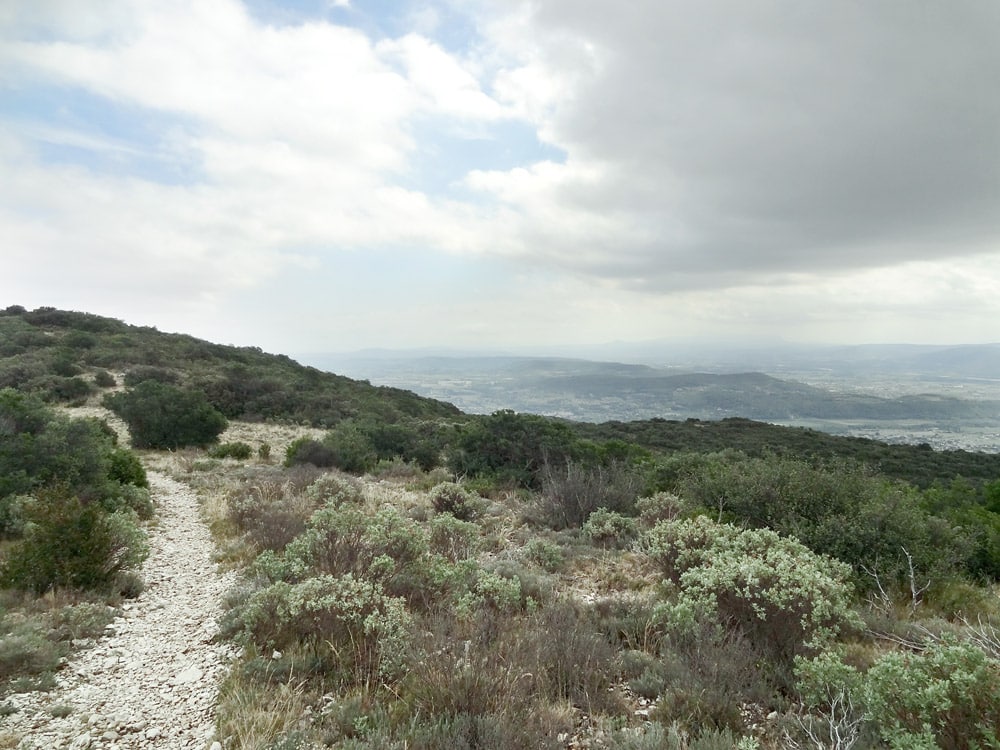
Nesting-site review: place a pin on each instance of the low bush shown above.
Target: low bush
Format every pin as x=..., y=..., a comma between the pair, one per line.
x=308, y=451
x=40, y=447
x=238, y=450
x=25, y=651
x=508, y=669
x=143, y=373
x=946, y=695
x=130, y=498
x=384, y=547
x=72, y=544
x=452, y=538
x=270, y=513
x=547, y=555
x=350, y=448
x=104, y=379
x=772, y=590
x=452, y=498
x=126, y=468
x=660, y=506
x=74, y=389
x=610, y=529
x=13, y=514
x=571, y=492
x=353, y=626
x=705, y=674
x=332, y=488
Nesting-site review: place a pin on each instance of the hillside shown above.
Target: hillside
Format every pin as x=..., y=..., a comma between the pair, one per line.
x=61, y=354
x=707, y=580
x=58, y=353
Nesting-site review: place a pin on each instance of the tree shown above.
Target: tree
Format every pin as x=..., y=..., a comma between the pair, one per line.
x=160, y=415
x=512, y=447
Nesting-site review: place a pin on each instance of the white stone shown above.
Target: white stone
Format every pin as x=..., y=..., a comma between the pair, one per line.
x=189, y=675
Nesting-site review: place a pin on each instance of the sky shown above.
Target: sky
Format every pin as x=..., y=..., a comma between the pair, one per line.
x=335, y=175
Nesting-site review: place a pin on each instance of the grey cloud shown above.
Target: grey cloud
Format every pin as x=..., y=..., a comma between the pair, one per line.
x=786, y=136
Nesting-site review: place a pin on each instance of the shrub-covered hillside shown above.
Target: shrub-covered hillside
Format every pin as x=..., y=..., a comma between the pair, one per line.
x=412, y=577
x=65, y=356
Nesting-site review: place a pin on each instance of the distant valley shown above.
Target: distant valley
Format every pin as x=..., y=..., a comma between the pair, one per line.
x=948, y=397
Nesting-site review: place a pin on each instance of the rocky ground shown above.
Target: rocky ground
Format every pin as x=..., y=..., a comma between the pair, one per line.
x=151, y=681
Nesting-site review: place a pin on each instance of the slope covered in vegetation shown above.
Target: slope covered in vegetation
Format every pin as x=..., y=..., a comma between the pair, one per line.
x=510, y=580
x=62, y=355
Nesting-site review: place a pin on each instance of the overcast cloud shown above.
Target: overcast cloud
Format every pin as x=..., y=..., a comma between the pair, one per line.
x=314, y=175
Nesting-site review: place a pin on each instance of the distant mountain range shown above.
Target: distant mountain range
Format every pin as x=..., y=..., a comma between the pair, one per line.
x=949, y=388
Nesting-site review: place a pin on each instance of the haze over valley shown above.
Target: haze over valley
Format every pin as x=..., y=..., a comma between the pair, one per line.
x=948, y=397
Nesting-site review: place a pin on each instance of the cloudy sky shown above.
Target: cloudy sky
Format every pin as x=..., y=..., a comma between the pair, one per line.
x=328, y=175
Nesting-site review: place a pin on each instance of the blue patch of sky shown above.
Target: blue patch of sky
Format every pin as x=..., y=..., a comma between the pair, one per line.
x=445, y=156
x=378, y=19
x=76, y=127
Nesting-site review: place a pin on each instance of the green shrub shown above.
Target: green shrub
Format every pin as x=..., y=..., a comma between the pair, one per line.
x=13, y=514
x=842, y=510
x=25, y=649
x=104, y=379
x=82, y=620
x=131, y=498
x=239, y=450
x=349, y=623
x=452, y=498
x=783, y=598
x=68, y=389
x=306, y=450
x=705, y=674
x=343, y=539
x=335, y=489
x=264, y=452
x=497, y=593
x=452, y=538
x=39, y=447
x=545, y=554
x=64, y=364
x=144, y=373
x=945, y=696
x=511, y=448
x=164, y=416
x=660, y=506
x=610, y=529
x=948, y=696
x=351, y=449
x=126, y=468
x=71, y=544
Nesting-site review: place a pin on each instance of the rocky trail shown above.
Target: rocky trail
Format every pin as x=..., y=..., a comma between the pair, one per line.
x=152, y=680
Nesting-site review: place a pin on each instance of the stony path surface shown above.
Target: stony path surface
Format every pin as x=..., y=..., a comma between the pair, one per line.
x=152, y=680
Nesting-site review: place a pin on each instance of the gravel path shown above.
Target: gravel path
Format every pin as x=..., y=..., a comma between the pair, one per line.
x=152, y=680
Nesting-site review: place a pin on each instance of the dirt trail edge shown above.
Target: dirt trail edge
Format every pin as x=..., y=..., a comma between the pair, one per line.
x=152, y=680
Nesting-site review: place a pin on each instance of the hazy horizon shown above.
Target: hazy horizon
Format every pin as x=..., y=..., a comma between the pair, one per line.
x=338, y=175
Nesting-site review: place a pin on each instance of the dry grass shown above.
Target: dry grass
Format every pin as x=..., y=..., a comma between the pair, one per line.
x=253, y=714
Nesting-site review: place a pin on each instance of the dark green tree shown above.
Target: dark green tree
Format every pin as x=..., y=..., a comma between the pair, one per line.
x=512, y=448
x=160, y=415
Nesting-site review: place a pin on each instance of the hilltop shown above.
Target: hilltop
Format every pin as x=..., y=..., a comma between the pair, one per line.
x=59, y=354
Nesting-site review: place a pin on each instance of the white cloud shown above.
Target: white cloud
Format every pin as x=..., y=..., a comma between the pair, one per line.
x=822, y=170
x=447, y=88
